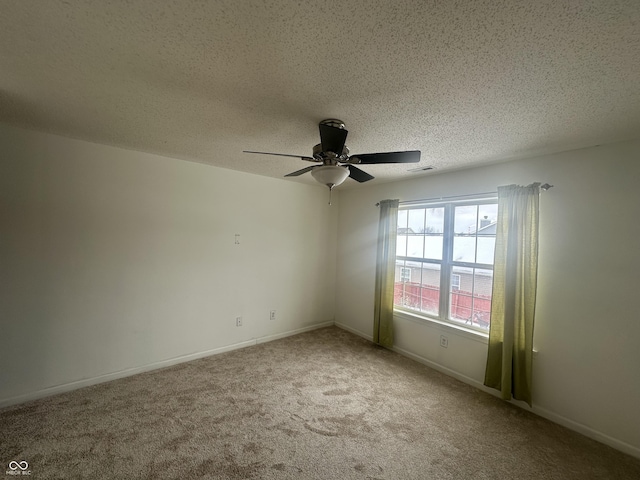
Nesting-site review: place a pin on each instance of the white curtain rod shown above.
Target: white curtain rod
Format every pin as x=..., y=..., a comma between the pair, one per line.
x=543, y=187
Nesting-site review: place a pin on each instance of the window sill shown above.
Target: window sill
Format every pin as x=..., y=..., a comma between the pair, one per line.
x=434, y=323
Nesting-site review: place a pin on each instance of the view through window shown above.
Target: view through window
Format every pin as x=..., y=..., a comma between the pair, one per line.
x=444, y=261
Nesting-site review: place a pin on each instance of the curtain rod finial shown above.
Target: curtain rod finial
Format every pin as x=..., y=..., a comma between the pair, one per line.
x=545, y=186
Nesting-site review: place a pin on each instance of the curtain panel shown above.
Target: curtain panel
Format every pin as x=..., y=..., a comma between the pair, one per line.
x=510, y=354
x=385, y=273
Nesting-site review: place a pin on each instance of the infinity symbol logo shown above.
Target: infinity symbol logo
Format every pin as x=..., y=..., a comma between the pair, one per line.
x=23, y=465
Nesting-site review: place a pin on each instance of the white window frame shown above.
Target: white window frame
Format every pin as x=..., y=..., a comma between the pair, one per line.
x=405, y=274
x=447, y=263
x=455, y=281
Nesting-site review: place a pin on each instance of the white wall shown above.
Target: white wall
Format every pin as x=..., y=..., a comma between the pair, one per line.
x=113, y=261
x=587, y=371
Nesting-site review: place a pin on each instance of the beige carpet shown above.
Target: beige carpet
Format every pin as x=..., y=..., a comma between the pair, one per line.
x=323, y=405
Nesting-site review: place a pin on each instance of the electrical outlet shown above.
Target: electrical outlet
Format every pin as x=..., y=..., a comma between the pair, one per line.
x=238, y=321
x=444, y=341
x=272, y=315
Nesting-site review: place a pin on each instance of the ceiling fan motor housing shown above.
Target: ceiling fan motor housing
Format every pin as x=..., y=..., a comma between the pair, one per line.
x=333, y=122
x=330, y=158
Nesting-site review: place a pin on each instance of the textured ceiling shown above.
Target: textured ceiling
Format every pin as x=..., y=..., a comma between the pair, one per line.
x=465, y=82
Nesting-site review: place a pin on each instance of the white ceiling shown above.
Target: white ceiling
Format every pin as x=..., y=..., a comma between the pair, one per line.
x=465, y=82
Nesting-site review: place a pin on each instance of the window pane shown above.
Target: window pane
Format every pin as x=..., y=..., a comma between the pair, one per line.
x=487, y=215
x=464, y=249
x=398, y=298
x=401, y=246
x=486, y=249
x=465, y=220
x=470, y=303
x=483, y=280
x=407, y=285
x=430, y=288
x=401, y=240
x=402, y=219
x=435, y=220
x=415, y=246
x=416, y=220
x=433, y=247
x=464, y=225
x=417, y=286
x=461, y=298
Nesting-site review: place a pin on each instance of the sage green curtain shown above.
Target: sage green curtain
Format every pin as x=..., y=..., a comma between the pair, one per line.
x=509, y=360
x=385, y=273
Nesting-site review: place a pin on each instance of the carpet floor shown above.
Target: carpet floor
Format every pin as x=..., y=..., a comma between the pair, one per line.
x=320, y=405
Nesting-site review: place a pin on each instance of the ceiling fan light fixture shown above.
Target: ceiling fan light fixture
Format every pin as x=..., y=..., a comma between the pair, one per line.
x=330, y=175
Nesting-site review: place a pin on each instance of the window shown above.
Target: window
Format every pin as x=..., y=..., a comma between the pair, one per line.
x=455, y=281
x=405, y=274
x=444, y=261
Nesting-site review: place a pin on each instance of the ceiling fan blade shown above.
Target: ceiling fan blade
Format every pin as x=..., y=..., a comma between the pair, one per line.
x=300, y=172
x=359, y=175
x=332, y=138
x=411, y=156
x=308, y=159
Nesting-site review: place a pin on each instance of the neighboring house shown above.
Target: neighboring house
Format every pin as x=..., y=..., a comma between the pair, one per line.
x=487, y=227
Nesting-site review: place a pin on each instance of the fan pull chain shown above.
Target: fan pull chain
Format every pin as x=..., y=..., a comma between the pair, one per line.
x=330, y=191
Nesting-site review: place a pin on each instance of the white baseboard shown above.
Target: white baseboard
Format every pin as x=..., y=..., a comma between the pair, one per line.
x=277, y=336
x=354, y=331
x=442, y=369
x=542, y=412
x=587, y=431
x=86, y=382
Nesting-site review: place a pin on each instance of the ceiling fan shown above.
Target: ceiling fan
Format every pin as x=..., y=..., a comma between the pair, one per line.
x=336, y=163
